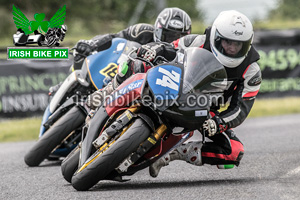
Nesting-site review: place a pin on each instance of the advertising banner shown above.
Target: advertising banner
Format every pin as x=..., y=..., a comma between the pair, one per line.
x=24, y=85
x=280, y=65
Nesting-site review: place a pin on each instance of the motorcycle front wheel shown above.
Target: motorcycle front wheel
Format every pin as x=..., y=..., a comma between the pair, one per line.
x=99, y=166
x=70, y=164
x=54, y=136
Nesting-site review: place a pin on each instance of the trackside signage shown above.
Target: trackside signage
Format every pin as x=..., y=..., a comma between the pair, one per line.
x=24, y=85
x=280, y=66
x=37, y=53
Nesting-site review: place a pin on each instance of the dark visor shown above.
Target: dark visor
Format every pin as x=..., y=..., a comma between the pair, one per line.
x=171, y=35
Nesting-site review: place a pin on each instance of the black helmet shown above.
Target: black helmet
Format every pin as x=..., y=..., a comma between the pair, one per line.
x=171, y=24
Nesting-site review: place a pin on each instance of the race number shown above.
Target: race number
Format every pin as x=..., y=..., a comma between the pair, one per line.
x=110, y=70
x=170, y=80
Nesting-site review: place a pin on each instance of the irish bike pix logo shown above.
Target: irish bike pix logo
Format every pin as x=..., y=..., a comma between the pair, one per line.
x=41, y=39
x=38, y=31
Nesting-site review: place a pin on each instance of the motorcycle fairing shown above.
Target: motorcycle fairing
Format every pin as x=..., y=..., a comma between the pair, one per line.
x=128, y=91
x=103, y=63
x=46, y=115
x=70, y=81
x=164, y=81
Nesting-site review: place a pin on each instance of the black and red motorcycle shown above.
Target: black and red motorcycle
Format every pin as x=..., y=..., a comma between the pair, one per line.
x=148, y=115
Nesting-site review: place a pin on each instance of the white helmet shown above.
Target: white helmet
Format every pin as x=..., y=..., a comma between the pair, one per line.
x=231, y=26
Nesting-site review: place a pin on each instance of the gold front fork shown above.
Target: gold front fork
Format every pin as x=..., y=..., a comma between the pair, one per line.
x=159, y=132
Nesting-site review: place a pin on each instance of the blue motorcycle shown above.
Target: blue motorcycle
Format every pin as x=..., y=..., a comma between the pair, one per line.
x=64, y=117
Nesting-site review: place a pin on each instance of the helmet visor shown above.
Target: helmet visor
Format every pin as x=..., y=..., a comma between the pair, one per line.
x=171, y=35
x=231, y=48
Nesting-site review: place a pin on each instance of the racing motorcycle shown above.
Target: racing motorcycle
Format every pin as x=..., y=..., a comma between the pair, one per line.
x=55, y=35
x=64, y=117
x=147, y=116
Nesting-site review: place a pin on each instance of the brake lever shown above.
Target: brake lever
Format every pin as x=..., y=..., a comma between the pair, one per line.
x=161, y=59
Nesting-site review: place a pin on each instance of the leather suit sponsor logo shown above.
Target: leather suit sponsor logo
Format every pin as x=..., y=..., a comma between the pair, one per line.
x=255, y=80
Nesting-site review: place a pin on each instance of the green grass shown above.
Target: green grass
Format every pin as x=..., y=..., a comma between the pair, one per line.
x=28, y=129
x=270, y=107
x=20, y=129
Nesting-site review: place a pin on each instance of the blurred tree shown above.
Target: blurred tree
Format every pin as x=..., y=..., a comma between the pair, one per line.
x=154, y=7
x=93, y=16
x=287, y=9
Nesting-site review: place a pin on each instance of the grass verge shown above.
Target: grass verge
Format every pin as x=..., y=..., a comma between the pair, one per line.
x=20, y=129
x=28, y=129
x=271, y=107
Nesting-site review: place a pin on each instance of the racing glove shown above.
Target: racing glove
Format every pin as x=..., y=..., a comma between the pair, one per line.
x=84, y=48
x=151, y=50
x=214, y=126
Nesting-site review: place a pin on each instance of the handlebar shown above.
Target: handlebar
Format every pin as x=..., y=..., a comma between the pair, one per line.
x=152, y=64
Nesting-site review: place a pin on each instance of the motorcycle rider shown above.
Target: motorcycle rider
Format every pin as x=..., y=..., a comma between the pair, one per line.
x=171, y=24
x=230, y=40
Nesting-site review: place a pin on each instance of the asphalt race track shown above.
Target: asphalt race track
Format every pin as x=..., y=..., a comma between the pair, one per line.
x=270, y=169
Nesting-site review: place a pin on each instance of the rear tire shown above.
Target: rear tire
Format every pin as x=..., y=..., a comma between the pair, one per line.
x=73, y=119
x=70, y=164
x=111, y=158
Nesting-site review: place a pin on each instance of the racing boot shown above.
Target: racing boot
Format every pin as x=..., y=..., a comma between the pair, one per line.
x=189, y=152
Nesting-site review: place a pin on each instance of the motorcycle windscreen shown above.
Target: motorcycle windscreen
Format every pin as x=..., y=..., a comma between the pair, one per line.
x=203, y=73
x=204, y=80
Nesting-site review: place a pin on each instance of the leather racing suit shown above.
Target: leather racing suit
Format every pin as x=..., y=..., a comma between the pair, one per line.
x=243, y=85
x=141, y=33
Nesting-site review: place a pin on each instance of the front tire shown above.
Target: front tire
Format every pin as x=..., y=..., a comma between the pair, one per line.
x=70, y=164
x=100, y=167
x=73, y=119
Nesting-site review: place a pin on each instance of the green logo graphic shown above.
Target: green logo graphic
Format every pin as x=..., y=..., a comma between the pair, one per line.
x=39, y=24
